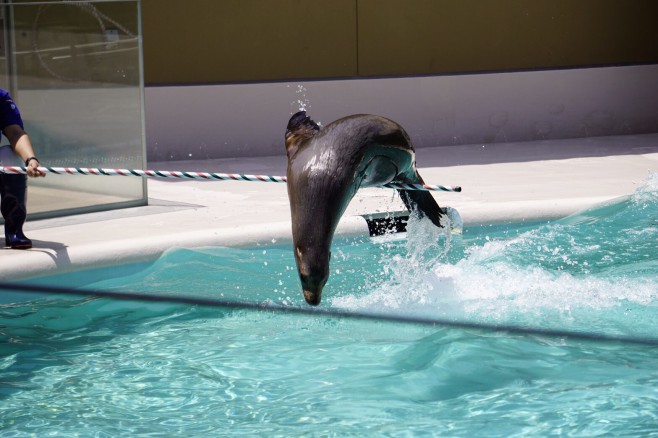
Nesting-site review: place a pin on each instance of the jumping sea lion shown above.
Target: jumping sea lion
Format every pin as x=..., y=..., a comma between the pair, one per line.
x=325, y=169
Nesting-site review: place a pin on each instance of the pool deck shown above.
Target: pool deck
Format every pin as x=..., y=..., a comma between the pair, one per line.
x=503, y=182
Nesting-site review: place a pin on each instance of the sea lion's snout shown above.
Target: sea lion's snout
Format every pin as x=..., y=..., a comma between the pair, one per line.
x=312, y=297
x=313, y=268
x=313, y=284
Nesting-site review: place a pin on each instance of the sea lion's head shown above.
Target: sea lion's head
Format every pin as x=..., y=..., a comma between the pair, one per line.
x=313, y=268
x=300, y=128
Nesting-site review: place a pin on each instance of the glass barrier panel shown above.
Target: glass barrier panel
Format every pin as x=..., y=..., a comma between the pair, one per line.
x=75, y=71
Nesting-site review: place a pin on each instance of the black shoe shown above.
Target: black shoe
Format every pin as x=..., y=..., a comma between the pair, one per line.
x=17, y=241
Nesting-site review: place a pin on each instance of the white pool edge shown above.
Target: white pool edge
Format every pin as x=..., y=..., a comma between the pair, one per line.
x=27, y=265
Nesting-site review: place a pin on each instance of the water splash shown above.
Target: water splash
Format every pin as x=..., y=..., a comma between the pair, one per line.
x=303, y=103
x=402, y=279
x=595, y=270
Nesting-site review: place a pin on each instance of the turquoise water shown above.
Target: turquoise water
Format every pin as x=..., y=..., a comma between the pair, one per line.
x=98, y=367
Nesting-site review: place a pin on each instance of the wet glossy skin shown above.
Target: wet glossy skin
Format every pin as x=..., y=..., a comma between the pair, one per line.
x=325, y=169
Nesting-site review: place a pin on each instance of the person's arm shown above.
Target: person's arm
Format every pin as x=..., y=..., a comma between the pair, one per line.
x=21, y=144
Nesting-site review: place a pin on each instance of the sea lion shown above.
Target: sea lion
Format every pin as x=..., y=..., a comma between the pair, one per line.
x=325, y=169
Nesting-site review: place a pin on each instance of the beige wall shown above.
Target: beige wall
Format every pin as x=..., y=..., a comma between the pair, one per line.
x=205, y=41
x=444, y=36
x=211, y=41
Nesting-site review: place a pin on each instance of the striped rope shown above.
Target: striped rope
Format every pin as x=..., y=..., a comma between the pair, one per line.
x=198, y=175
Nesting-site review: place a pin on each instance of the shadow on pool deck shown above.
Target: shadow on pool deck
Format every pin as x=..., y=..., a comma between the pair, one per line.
x=506, y=182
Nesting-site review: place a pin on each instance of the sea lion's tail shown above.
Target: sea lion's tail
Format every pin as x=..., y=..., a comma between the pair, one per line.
x=300, y=128
x=300, y=121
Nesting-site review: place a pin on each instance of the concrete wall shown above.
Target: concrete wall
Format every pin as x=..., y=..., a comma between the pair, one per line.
x=233, y=120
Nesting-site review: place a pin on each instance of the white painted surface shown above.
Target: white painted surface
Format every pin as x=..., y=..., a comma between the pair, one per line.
x=238, y=120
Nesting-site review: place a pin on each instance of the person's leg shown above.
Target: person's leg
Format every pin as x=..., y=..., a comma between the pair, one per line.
x=13, y=189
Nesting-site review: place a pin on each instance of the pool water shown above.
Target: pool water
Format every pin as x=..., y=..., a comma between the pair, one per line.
x=98, y=367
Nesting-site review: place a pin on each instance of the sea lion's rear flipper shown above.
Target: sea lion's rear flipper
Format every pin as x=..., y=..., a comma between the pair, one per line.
x=300, y=128
x=421, y=201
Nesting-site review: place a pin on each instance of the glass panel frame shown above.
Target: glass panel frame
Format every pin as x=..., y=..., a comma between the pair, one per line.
x=75, y=69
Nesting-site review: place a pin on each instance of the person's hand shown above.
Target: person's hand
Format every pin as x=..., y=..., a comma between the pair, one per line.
x=32, y=169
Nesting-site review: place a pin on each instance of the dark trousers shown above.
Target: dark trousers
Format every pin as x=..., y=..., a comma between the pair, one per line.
x=13, y=189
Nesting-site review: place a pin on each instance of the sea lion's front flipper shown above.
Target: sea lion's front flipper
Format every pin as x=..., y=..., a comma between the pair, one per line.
x=421, y=201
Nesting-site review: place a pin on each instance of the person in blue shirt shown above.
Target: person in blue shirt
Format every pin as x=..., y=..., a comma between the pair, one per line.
x=13, y=187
